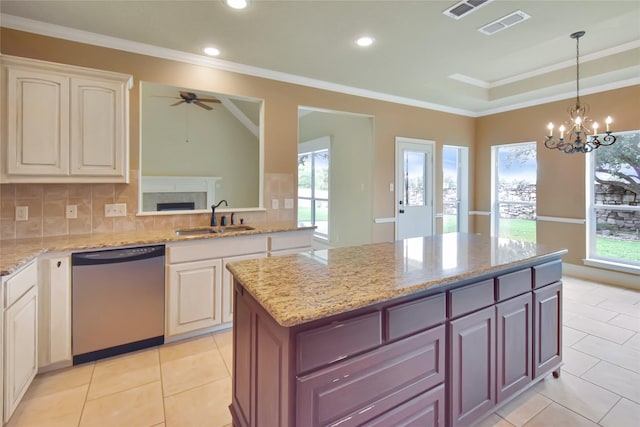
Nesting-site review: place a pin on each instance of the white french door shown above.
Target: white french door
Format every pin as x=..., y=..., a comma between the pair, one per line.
x=415, y=183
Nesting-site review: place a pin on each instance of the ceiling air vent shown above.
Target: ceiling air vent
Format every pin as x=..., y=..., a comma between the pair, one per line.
x=504, y=22
x=464, y=7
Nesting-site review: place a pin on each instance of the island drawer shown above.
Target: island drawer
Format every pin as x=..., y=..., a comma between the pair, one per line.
x=413, y=316
x=358, y=390
x=547, y=273
x=338, y=340
x=471, y=298
x=513, y=284
x=424, y=410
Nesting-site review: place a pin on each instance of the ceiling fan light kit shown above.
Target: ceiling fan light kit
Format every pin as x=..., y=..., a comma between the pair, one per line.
x=579, y=139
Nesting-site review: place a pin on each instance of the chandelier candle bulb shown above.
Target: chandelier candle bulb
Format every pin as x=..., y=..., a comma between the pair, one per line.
x=550, y=127
x=561, y=128
x=595, y=128
x=608, y=122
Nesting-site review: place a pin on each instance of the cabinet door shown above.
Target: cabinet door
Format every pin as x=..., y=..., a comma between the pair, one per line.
x=54, y=287
x=472, y=372
x=98, y=128
x=513, y=358
x=227, y=285
x=547, y=329
x=193, y=297
x=38, y=123
x=21, y=349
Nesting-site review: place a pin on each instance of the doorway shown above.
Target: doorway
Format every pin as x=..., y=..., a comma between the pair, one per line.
x=415, y=186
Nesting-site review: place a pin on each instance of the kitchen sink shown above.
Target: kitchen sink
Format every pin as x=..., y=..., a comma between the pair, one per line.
x=213, y=230
x=230, y=228
x=194, y=231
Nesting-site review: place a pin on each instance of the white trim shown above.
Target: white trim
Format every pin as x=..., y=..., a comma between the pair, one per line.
x=384, y=220
x=65, y=33
x=608, y=276
x=559, y=219
x=481, y=213
x=546, y=70
x=440, y=215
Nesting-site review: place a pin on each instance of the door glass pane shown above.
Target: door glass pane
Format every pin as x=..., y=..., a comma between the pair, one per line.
x=304, y=175
x=304, y=212
x=414, y=176
x=450, y=194
x=321, y=173
x=322, y=217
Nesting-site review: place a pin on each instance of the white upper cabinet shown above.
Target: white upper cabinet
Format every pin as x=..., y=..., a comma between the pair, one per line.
x=64, y=123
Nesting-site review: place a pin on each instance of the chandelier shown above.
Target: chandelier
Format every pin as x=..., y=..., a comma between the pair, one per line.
x=577, y=137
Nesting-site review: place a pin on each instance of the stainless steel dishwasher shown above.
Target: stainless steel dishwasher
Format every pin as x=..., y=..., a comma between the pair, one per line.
x=117, y=301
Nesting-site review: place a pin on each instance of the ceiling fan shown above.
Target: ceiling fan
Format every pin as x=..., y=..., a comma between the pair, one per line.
x=192, y=98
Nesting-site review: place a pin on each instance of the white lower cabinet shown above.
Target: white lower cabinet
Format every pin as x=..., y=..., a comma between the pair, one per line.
x=20, y=335
x=227, y=284
x=194, y=296
x=54, y=291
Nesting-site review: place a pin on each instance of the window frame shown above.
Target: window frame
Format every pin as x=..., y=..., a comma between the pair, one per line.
x=462, y=202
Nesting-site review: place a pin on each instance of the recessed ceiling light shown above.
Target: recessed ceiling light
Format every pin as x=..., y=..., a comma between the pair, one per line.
x=237, y=4
x=365, y=41
x=211, y=51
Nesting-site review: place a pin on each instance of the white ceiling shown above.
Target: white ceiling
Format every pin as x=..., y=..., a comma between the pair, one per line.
x=416, y=52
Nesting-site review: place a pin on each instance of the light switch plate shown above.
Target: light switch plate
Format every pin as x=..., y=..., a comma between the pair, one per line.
x=288, y=203
x=275, y=204
x=71, y=211
x=115, y=209
x=22, y=213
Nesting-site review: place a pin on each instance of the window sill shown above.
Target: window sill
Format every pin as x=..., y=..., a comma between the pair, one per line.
x=610, y=265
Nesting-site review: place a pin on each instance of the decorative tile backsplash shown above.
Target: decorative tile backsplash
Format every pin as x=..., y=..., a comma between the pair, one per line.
x=47, y=204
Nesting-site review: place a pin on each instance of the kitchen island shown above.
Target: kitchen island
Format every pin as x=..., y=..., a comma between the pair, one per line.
x=429, y=331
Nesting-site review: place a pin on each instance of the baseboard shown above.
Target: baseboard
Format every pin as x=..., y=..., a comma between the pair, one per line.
x=609, y=277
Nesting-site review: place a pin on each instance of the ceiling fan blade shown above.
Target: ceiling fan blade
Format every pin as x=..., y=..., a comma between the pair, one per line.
x=200, y=104
x=177, y=103
x=217, y=101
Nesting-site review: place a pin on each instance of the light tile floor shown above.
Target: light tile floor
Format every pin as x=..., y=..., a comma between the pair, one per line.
x=189, y=383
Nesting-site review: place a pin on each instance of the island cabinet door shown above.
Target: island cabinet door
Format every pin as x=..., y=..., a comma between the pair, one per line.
x=472, y=371
x=514, y=335
x=547, y=332
x=361, y=389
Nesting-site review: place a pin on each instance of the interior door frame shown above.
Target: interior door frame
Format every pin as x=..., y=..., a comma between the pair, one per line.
x=429, y=189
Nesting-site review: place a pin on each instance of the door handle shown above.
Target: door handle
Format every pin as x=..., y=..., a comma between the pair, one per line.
x=401, y=211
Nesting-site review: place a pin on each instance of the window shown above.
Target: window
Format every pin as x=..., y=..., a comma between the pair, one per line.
x=514, y=191
x=455, y=168
x=613, y=211
x=313, y=185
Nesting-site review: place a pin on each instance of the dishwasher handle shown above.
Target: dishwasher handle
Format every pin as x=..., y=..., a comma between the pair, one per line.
x=111, y=256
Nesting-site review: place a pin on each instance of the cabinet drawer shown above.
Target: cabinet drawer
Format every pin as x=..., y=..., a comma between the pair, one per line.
x=470, y=298
x=289, y=240
x=337, y=341
x=359, y=390
x=20, y=283
x=547, y=273
x=513, y=284
x=216, y=248
x=426, y=410
x=408, y=318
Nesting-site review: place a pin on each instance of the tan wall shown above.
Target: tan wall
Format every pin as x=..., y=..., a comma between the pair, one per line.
x=561, y=177
x=280, y=117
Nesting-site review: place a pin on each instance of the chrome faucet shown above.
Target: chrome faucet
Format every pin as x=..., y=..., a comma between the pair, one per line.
x=213, y=211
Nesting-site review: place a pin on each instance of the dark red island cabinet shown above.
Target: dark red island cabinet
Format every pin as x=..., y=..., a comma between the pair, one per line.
x=444, y=358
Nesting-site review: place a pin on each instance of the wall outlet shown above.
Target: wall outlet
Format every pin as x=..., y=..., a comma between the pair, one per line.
x=275, y=204
x=22, y=213
x=71, y=211
x=288, y=203
x=115, y=209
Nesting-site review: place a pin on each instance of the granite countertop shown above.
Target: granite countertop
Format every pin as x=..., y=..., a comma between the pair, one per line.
x=296, y=289
x=14, y=253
